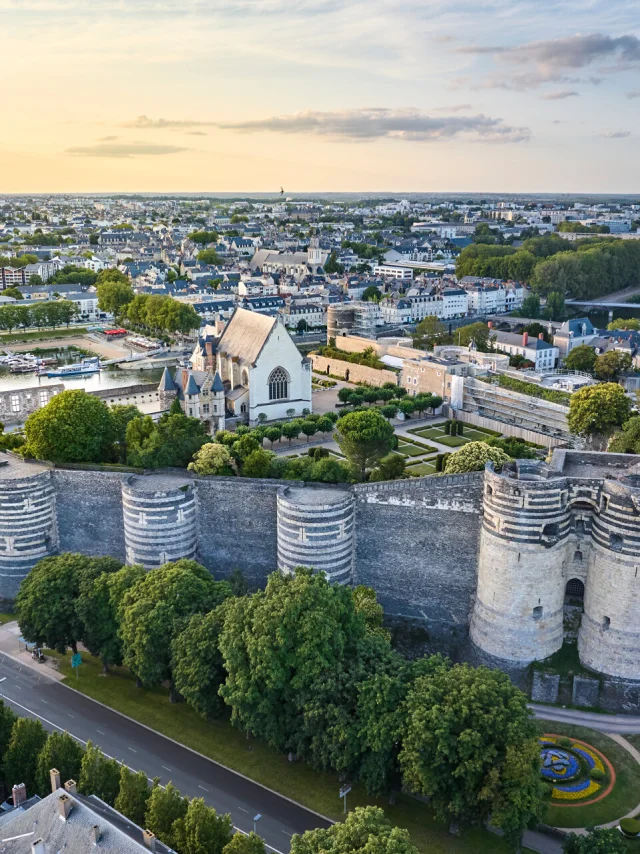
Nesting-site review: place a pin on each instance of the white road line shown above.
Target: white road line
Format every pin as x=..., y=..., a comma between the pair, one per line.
x=45, y=702
x=285, y=832
x=166, y=769
x=243, y=810
x=100, y=731
x=132, y=750
x=70, y=715
x=203, y=788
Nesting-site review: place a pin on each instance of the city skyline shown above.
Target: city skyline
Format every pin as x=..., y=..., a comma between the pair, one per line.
x=320, y=97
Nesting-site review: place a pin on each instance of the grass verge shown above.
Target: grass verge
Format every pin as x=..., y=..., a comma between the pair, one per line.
x=220, y=741
x=41, y=335
x=7, y=617
x=626, y=792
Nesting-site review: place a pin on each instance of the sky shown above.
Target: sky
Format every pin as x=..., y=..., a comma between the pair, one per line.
x=320, y=95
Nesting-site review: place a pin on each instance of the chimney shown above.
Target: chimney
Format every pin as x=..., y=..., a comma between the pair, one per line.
x=19, y=794
x=54, y=776
x=71, y=787
x=149, y=839
x=525, y=339
x=96, y=834
x=541, y=336
x=38, y=847
x=65, y=805
x=490, y=324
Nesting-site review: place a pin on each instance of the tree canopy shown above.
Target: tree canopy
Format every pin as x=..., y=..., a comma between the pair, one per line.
x=73, y=427
x=595, y=412
x=364, y=831
x=364, y=437
x=473, y=456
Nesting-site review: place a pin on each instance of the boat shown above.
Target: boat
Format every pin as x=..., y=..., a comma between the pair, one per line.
x=86, y=366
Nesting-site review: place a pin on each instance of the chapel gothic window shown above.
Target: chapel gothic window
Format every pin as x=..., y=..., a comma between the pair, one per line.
x=278, y=384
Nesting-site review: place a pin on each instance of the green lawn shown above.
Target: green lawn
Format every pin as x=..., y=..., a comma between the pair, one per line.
x=421, y=469
x=41, y=335
x=221, y=742
x=634, y=739
x=626, y=792
x=410, y=450
x=452, y=441
x=6, y=617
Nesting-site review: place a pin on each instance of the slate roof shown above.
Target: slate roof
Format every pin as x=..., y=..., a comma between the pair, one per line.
x=245, y=335
x=167, y=383
x=217, y=384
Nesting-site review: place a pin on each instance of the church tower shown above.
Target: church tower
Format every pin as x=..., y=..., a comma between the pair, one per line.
x=314, y=255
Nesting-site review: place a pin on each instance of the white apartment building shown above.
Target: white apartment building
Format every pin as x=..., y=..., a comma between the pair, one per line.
x=395, y=271
x=544, y=356
x=445, y=305
x=495, y=299
x=396, y=312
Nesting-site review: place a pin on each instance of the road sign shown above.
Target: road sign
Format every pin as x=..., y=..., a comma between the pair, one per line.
x=76, y=659
x=345, y=790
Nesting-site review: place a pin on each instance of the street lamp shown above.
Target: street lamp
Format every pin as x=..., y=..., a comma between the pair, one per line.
x=256, y=819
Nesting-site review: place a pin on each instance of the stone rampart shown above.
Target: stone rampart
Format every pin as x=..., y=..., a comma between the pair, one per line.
x=353, y=372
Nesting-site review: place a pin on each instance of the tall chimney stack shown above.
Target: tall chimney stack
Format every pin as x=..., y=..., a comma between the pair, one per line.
x=19, y=794
x=490, y=324
x=96, y=834
x=38, y=847
x=149, y=839
x=525, y=339
x=65, y=805
x=541, y=336
x=71, y=787
x=54, y=776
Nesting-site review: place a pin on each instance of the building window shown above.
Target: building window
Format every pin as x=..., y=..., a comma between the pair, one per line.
x=15, y=403
x=606, y=623
x=278, y=384
x=537, y=612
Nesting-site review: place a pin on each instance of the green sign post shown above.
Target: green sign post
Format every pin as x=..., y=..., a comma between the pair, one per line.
x=76, y=661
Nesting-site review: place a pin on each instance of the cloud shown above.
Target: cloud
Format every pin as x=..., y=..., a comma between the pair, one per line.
x=380, y=123
x=453, y=108
x=108, y=138
x=123, y=149
x=145, y=123
x=616, y=134
x=196, y=133
x=552, y=59
x=560, y=95
x=635, y=93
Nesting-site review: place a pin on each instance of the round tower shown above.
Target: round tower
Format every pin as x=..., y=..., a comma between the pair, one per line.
x=518, y=611
x=609, y=638
x=28, y=526
x=159, y=519
x=315, y=528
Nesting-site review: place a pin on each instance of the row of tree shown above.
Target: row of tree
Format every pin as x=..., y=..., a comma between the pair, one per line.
x=307, y=667
x=189, y=826
x=51, y=313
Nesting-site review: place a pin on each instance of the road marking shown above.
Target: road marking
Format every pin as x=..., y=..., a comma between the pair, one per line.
x=45, y=702
x=203, y=788
x=100, y=731
x=287, y=834
x=167, y=769
x=70, y=715
x=243, y=809
x=132, y=750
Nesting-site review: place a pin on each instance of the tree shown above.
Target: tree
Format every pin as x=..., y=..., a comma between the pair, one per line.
x=628, y=440
x=172, y=442
x=46, y=601
x=364, y=437
x=13, y=292
x=274, y=434
x=209, y=256
x=407, y=406
x=331, y=265
x=213, y=459
x=201, y=830
x=73, y=427
x=154, y=609
x=241, y=844
x=97, y=608
x=291, y=430
x=372, y=294
x=133, y=795
x=530, y=306
x=466, y=727
x=344, y=394
x=197, y=666
x=302, y=325
x=164, y=808
x=364, y=831
x=555, y=308
x=473, y=456
x=477, y=332
x=114, y=293
x=257, y=464
x=309, y=428
x=581, y=358
x=35, y=280
x=60, y=751
x=611, y=364
x=595, y=412
x=599, y=840
x=324, y=425
x=7, y=720
x=619, y=323
x=98, y=775
x=277, y=644
x=121, y=415
x=28, y=737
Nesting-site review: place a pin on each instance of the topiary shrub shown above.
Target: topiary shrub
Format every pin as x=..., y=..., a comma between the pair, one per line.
x=564, y=741
x=597, y=774
x=447, y=427
x=459, y=428
x=630, y=826
x=453, y=430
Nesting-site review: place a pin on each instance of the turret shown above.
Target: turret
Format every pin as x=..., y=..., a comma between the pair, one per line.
x=167, y=390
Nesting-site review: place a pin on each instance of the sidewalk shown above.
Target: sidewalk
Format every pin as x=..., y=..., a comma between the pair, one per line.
x=9, y=634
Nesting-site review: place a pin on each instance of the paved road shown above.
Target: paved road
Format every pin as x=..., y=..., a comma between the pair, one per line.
x=38, y=696
x=603, y=723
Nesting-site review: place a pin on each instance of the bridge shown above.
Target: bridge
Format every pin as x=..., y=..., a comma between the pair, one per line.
x=596, y=304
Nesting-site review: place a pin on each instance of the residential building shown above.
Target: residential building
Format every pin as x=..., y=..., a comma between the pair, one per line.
x=544, y=356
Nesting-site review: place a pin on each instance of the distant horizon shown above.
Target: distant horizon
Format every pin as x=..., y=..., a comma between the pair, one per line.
x=301, y=195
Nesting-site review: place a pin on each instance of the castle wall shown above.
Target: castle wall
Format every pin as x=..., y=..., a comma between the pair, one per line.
x=356, y=373
x=416, y=543
x=89, y=505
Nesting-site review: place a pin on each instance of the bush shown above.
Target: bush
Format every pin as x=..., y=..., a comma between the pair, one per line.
x=597, y=774
x=630, y=826
x=564, y=741
x=447, y=427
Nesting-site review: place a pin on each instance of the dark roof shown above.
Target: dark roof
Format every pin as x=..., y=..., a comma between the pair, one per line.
x=167, y=383
x=217, y=384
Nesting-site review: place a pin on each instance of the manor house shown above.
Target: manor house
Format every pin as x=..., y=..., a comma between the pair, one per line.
x=252, y=368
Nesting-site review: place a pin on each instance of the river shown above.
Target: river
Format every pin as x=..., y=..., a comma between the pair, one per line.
x=107, y=378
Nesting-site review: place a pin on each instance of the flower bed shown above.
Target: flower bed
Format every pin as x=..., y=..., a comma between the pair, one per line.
x=569, y=768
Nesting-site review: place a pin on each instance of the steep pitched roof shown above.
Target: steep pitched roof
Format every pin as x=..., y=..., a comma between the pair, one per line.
x=217, y=384
x=167, y=383
x=192, y=386
x=245, y=335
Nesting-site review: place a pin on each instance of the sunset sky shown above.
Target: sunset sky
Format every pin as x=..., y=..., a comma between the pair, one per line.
x=320, y=95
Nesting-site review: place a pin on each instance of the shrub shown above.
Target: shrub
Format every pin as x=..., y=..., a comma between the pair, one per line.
x=630, y=826
x=459, y=428
x=447, y=428
x=564, y=741
x=597, y=774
